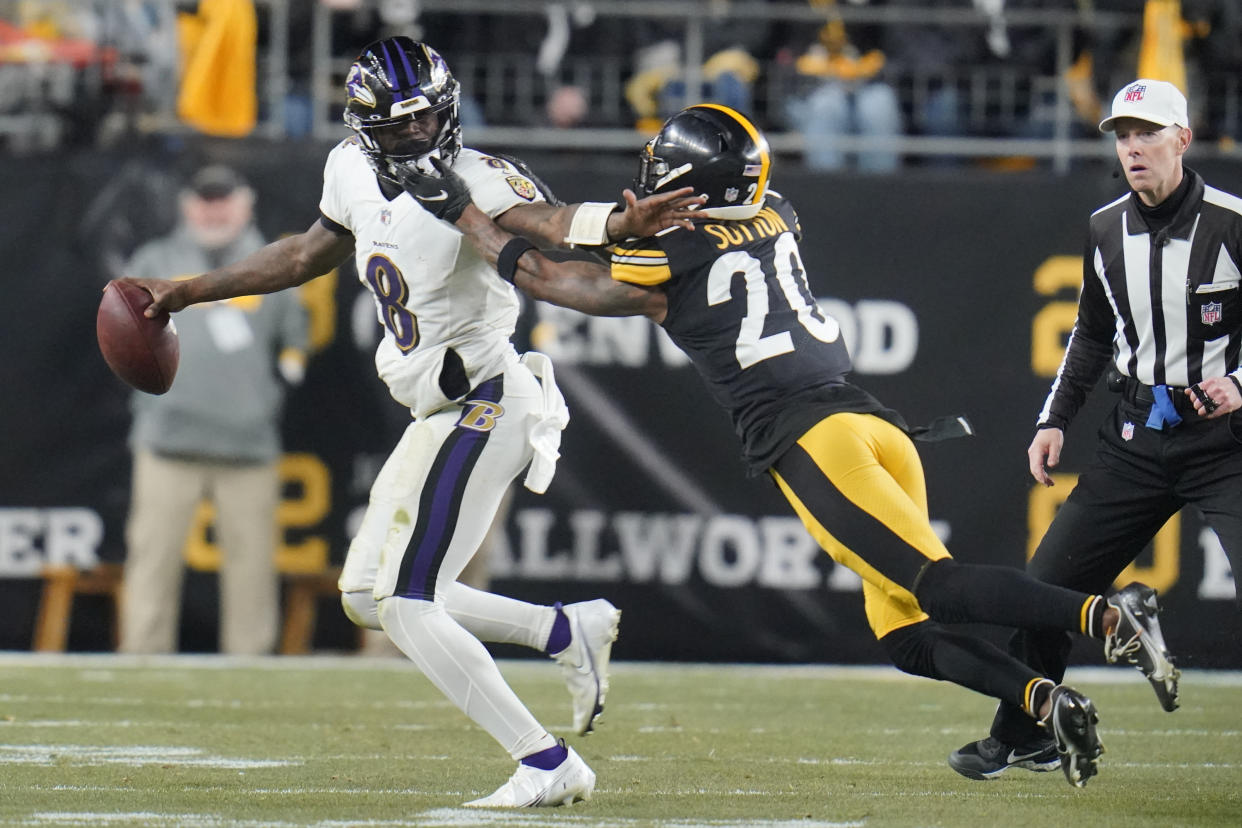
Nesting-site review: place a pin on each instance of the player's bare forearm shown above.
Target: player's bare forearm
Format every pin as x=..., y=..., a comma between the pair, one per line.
x=586, y=287
x=486, y=235
x=285, y=263
x=582, y=286
x=541, y=223
x=265, y=271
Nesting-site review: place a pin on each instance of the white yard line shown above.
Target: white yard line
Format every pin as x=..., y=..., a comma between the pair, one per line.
x=98, y=665
x=435, y=818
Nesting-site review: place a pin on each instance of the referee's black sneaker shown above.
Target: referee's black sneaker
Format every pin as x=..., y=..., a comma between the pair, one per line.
x=1138, y=640
x=989, y=758
x=1072, y=722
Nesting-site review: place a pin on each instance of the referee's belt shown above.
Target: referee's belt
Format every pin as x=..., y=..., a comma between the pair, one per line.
x=1166, y=404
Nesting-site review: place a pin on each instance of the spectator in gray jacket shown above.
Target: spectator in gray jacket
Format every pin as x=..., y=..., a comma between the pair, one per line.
x=215, y=435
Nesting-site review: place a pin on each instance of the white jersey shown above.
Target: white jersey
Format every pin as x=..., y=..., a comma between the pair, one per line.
x=432, y=290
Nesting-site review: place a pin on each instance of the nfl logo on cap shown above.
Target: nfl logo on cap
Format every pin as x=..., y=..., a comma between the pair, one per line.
x=1156, y=102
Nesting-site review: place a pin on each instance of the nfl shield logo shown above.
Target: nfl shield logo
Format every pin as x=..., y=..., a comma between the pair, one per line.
x=1127, y=431
x=1135, y=93
x=1210, y=313
x=731, y=194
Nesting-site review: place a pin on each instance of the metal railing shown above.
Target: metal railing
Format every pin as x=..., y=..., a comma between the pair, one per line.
x=515, y=74
x=512, y=92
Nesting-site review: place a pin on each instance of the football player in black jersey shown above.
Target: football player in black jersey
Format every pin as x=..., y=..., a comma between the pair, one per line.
x=730, y=289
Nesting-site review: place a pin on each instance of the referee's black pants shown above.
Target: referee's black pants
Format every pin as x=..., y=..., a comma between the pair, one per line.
x=1132, y=487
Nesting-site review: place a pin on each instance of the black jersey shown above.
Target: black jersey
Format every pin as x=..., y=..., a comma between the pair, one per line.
x=740, y=307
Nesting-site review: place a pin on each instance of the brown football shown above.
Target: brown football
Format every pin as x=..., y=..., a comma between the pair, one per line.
x=143, y=352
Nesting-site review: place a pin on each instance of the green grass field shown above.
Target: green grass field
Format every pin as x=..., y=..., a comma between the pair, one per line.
x=207, y=741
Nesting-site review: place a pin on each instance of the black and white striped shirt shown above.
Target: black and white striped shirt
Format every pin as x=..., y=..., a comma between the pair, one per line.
x=1160, y=299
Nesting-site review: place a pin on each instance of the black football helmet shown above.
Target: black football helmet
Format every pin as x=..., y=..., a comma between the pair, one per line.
x=396, y=81
x=717, y=151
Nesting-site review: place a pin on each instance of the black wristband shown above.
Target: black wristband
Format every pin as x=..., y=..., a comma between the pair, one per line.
x=506, y=262
x=1237, y=383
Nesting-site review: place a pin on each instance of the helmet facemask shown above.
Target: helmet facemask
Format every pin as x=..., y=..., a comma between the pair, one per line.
x=655, y=173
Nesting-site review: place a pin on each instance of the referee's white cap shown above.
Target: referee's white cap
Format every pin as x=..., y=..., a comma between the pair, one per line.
x=1154, y=101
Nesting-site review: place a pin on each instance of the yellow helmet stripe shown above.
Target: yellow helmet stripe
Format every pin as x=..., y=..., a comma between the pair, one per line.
x=765, y=160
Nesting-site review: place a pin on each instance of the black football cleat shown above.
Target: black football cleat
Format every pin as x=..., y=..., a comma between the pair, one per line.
x=989, y=758
x=1072, y=723
x=1137, y=640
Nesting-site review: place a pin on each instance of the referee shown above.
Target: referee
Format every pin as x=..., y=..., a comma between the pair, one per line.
x=1160, y=302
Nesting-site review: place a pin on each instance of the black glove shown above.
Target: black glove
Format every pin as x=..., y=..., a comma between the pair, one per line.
x=444, y=196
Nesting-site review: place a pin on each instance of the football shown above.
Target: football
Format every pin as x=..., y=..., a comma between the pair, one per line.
x=143, y=352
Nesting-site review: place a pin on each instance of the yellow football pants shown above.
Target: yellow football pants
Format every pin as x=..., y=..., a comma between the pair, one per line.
x=857, y=484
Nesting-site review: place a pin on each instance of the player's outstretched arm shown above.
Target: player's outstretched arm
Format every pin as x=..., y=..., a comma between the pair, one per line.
x=284, y=263
x=589, y=223
x=600, y=223
x=581, y=285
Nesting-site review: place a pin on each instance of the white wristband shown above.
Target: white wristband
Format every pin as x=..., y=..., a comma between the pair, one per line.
x=590, y=223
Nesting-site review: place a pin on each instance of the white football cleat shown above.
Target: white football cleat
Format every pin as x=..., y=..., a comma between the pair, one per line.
x=569, y=782
x=584, y=663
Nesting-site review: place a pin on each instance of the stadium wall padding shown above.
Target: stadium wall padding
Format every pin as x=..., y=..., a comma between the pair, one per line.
x=954, y=287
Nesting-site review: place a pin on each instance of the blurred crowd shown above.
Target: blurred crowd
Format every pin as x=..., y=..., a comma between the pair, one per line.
x=846, y=74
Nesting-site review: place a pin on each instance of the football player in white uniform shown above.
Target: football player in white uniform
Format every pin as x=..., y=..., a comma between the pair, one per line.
x=480, y=413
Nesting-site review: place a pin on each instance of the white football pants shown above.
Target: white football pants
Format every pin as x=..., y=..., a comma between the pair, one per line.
x=430, y=507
